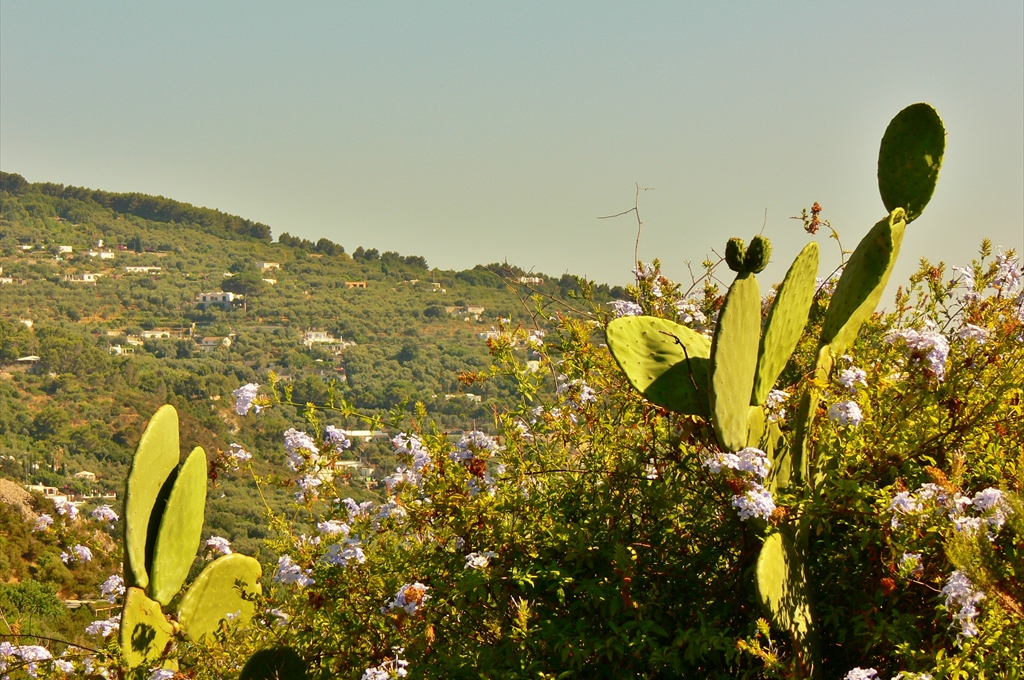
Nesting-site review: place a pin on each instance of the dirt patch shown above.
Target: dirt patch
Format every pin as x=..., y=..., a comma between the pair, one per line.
x=12, y=493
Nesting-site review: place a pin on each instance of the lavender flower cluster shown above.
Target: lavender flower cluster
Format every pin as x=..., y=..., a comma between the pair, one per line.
x=756, y=500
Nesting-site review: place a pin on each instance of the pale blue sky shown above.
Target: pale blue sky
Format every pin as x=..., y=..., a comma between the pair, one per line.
x=476, y=132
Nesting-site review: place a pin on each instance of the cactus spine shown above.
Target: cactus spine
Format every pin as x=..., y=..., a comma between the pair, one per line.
x=744, y=366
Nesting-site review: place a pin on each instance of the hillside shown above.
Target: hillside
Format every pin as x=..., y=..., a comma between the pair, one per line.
x=103, y=289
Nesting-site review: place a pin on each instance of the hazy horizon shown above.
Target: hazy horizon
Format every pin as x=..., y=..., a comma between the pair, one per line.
x=473, y=134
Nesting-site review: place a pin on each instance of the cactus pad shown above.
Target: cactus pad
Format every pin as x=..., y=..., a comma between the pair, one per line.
x=734, y=252
x=862, y=283
x=145, y=631
x=909, y=159
x=758, y=254
x=155, y=459
x=180, y=531
x=782, y=586
x=665, y=361
x=217, y=593
x=277, y=663
x=786, y=320
x=734, y=361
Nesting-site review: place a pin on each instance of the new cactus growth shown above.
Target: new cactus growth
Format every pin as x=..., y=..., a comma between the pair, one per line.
x=664, y=361
x=217, y=593
x=744, y=365
x=164, y=511
x=734, y=253
x=758, y=254
x=734, y=361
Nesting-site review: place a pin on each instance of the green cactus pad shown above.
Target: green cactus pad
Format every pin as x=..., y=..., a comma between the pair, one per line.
x=145, y=631
x=664, y=361
x=155, y=459
x=734, y=252
x=782, y=586
x=277, y=663
x=181, y=528
x=217, y=593
x=734, y=361
x=862, y=283
x=758, y=254
x=910, y=158
x=786, y=320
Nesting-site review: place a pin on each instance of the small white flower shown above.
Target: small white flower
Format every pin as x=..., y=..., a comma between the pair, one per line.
x=43, y=522
x=82, y=553
x=104, y=627
x=972, y=333
x=239, y=455
x=851, y=377
x=626, y=308
x=846, y=413
x=756, y=501
x=410, y=598
x=161, y=674
x=104, y=513
x=479, y=560
x=333, y=526
x=960, y=592
x=774, y=403
x=861, y=674
x=244, y=397
x=112, y=587
x=289, y=572
x=219, y=544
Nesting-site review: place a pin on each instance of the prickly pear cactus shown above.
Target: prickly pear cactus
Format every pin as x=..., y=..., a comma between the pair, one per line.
x=217, y=593
x=734, y=361
x=180, y=530
x=758, y=254
x=909, y=159
x=277, y=663
x=734, y=253
x=664, y=361
x=145, y=633
x=155, y=459
x=164, y=511
x=786, y=320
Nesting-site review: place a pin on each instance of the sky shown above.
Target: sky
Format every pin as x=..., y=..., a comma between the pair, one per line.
x=472, y=133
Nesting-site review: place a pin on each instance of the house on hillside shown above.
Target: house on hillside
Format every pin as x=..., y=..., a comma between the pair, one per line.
x=325, y=340
x=355, y=284
x=85, y=277
x=218, y=298
x=62, y=250
x=102, y=254
x=266, y=266
x=210, y=343
x=85, y=475
x=119, y=350
x=141, y=270
x=531, y=279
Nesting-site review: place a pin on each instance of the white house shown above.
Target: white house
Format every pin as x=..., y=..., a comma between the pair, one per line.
x=265, y=266
x=85, y=277
x=141, y=270
x=65, y=249
x=217, y=297
x=210, y=343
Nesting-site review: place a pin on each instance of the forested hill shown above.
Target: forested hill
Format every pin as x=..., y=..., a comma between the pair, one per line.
x=105, y=289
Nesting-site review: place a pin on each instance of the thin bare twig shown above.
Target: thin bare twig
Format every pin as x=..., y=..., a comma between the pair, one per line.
x=639, y=223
